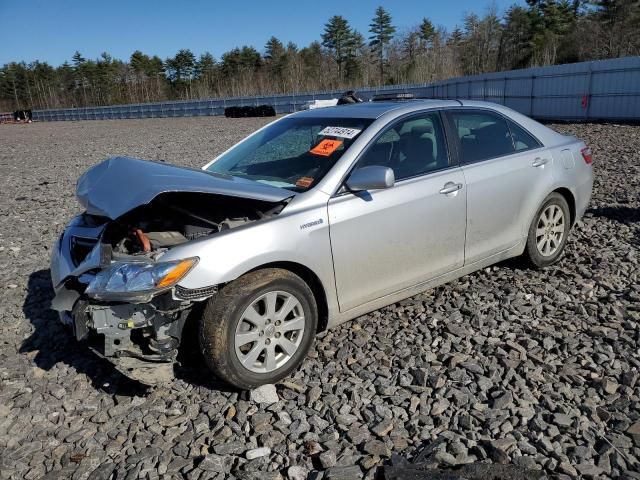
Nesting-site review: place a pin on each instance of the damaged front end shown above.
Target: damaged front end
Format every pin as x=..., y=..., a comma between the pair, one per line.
x=112, y=285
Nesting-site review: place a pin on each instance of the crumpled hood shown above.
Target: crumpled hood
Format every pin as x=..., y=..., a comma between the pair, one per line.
x=120, y=184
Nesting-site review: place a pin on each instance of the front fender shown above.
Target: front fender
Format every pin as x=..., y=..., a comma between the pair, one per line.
x=301, y=237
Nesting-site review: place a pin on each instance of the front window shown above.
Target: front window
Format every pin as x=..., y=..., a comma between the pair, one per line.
x=294, y=153
x=411, y=147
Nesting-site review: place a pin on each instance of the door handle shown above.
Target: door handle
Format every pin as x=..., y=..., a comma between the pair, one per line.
x=450, y=187
x=539, y=162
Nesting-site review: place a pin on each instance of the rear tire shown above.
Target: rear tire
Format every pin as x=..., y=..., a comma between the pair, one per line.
x=548, y=232
x=258, y=328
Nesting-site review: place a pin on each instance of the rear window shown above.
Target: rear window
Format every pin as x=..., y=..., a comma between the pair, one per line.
x=293, y=153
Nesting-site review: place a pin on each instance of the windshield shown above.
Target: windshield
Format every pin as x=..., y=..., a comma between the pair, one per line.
x=294, y=153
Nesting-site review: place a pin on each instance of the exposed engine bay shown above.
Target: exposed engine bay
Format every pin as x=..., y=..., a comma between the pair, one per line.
x=143, y=332
x=177, y=217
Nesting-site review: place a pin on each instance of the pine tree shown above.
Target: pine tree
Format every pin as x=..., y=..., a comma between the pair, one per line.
x=139, y=62
x=274, y=55
x=206, y=66
x=273, y=50
x=250, y=59
x=155, y=67
x=353, y=67
x=80, y=68
x=382, y=32
x=78, y=59
x=516, y=42
x=427, y=31
x=620, y=21
x=312, y=62
x=182, y=66
x=338, y=39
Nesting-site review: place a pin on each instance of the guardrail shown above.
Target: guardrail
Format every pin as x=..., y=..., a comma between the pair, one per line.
x=597, y=90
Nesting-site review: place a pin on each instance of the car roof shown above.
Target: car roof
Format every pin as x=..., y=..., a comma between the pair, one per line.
x=373, y=110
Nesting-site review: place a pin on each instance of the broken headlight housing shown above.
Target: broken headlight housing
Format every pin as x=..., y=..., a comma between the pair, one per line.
x=138, y=281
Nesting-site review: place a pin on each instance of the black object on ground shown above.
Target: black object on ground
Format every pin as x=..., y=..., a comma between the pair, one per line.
x=23, y=115
x=257, y=111
x=425, y=466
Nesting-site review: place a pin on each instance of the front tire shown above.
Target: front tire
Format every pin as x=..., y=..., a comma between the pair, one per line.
x=548, y=232
x=258, y=328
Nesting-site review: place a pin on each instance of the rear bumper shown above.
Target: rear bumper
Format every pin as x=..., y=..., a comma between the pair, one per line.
x=583, y=194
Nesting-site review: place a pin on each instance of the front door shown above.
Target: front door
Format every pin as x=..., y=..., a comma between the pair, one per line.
x=386, y=240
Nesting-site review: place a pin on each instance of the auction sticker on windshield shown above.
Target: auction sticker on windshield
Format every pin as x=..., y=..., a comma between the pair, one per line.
x=326, y=147
x=343, y=132
x=304, y=182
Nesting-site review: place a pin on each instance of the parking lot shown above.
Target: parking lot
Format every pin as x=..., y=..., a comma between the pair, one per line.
x=535, y=368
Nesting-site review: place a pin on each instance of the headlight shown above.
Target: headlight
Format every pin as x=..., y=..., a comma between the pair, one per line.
x=140, y=281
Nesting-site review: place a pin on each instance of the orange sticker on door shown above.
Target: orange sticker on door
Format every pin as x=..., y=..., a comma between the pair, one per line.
x=326, y=147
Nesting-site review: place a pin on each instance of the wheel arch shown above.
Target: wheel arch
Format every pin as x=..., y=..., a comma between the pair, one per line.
x=571, y=201
x=536, y=203
x=314, y=283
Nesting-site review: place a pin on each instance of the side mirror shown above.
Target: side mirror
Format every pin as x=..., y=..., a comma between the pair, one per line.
x=373, y=177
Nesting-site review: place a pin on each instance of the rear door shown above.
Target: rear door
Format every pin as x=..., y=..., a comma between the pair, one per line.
x=386, y=240
x=503, y=166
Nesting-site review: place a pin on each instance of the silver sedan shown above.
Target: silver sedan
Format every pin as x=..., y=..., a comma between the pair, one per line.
x=317, y=218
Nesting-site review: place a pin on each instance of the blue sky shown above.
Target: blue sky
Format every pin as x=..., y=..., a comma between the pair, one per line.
x=51, y=30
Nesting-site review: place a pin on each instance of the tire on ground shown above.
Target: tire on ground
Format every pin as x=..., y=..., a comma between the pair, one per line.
x=224, y=310
x=532, y=253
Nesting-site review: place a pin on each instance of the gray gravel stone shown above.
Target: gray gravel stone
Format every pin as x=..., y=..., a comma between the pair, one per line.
x=230, y=448
x=296, y=472
x=257, y=453
x=383, y=428
x=504, y=400
x=343, y=473
x=214, y=463
x=376, y=447
x=327, y=459
x=266, y=394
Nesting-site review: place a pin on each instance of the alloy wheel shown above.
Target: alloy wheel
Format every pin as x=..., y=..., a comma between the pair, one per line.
x=550, y=230
x=269, y=332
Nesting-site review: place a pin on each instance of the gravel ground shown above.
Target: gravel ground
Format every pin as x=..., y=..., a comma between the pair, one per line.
x=535, y=368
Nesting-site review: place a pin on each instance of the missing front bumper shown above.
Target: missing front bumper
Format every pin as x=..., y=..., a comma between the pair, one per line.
x=139, y=340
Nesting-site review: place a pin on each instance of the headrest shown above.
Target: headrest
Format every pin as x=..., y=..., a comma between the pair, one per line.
x=421, y=129
x=490, y=130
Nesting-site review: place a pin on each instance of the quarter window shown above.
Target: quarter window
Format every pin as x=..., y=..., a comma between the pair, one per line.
x=482, y=135
x=522, y=140
x=410, y=147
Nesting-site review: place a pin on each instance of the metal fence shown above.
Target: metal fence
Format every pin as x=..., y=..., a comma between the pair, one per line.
x=598, y=90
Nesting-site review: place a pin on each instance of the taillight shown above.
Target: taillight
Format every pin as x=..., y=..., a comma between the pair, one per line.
x=586, y=154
